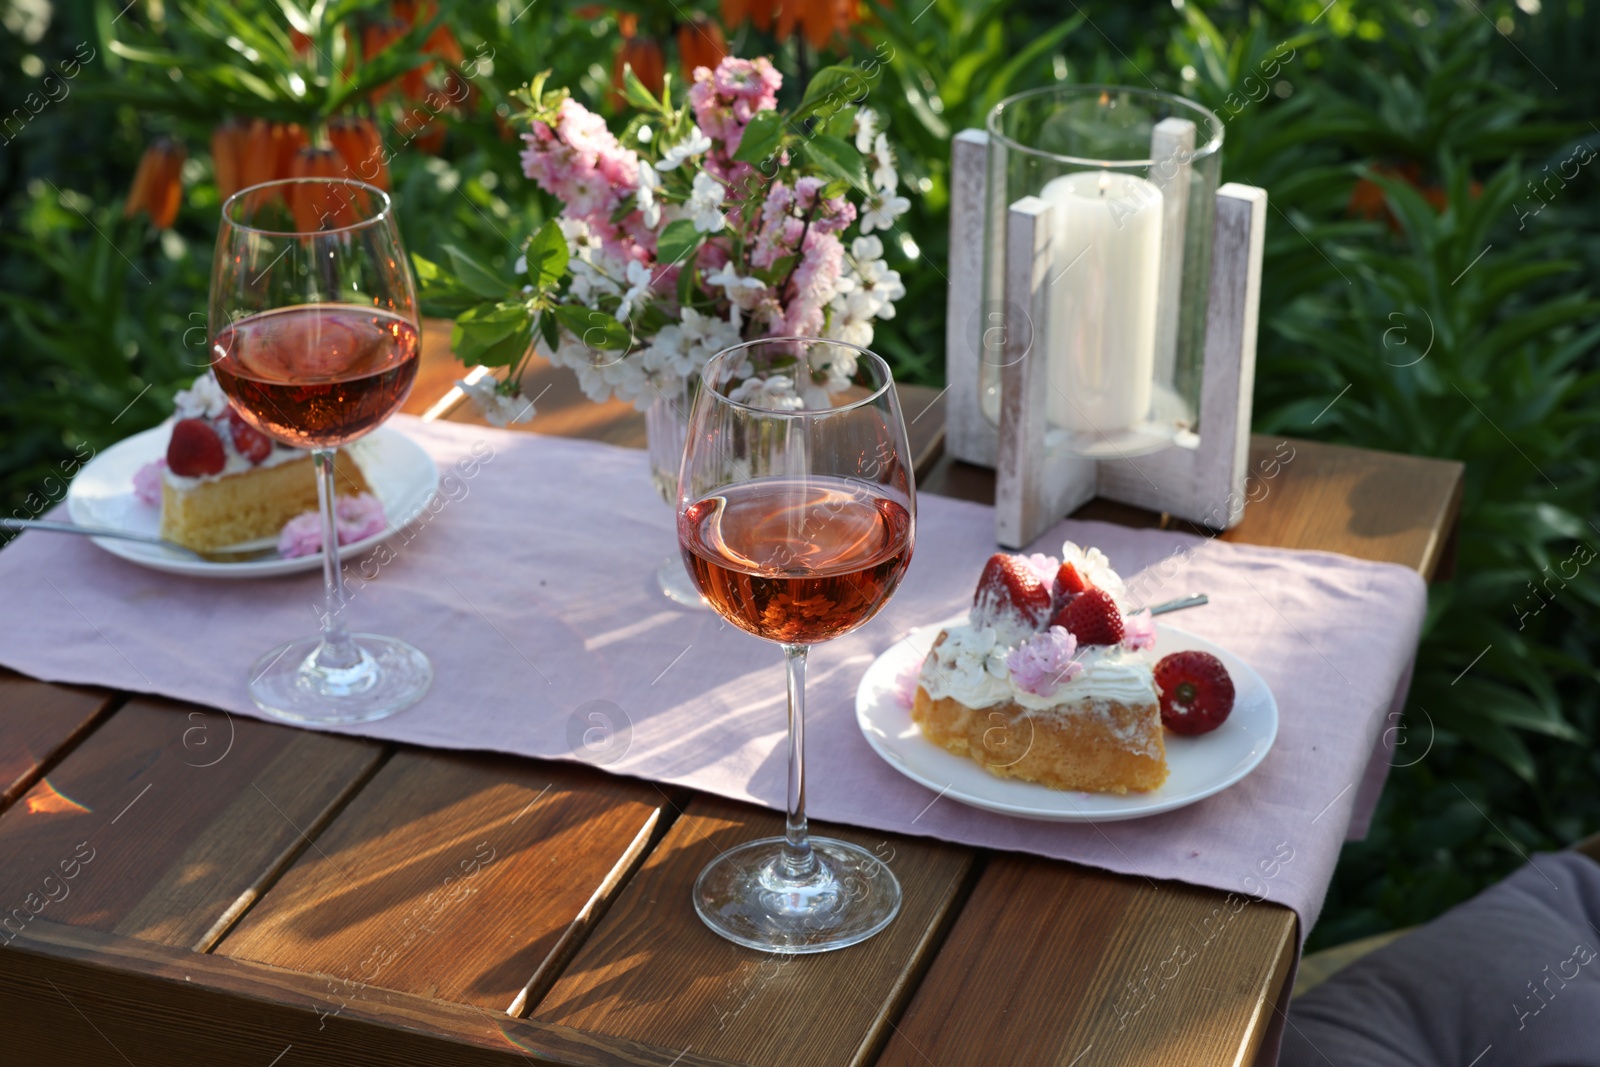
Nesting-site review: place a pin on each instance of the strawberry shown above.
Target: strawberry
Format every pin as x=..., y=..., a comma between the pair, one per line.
x=252, y=444
x=195, y=449
x=1009, y=587
x=1196, y=692
x=1069, y=583
x=1092, y=617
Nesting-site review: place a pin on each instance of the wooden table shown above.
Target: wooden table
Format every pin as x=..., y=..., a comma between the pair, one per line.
x=181, y=886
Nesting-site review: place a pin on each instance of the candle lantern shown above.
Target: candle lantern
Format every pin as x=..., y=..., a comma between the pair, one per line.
x=1101, y=332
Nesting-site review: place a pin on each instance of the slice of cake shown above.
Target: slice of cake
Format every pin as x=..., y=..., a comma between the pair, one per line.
x=1048, y=680
x=226, y=483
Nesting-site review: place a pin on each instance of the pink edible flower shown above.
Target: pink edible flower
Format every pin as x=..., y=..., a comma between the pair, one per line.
x=580, y=161
x=725, y=99
x=816, y=281
x=147, y=482
x=836, y=215
x=1139, y=631
x=906, y=682
x=1040, y=664
x=1045, y=567
x=355, y=517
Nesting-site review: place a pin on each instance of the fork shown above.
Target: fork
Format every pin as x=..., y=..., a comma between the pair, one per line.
x=245, y=555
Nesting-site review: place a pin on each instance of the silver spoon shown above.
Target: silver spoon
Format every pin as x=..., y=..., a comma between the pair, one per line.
x=1194, y=600
x=235, y=556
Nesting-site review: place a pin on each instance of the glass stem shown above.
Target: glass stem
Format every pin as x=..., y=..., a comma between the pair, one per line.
x=798, y=860
x=338, y=652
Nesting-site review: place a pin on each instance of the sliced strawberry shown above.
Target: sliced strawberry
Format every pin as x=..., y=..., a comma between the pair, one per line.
x=195, y=449
x=252, y=444
x=1010, y=589
x=1092, y=617
x=1069, y=583
x=1196, y=692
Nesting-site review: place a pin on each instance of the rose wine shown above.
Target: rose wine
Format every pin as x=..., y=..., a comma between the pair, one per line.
x=317, y=375
x=796, y=560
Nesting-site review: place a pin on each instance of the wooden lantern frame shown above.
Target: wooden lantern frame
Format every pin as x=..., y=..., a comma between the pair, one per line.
x=1200, y=479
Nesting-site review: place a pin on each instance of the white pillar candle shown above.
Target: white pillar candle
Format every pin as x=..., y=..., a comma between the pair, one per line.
x=1105, y=251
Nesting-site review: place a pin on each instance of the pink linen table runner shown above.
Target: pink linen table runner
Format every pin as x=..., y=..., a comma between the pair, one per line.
x=531, y=585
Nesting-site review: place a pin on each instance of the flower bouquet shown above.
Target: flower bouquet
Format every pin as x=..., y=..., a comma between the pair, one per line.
x=706, y=222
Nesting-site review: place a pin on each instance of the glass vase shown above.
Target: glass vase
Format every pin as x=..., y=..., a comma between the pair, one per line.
x=666, y=423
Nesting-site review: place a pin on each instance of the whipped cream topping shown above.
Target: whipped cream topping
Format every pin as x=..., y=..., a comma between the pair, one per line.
x=1093, y=566
x=970, y=663
x=202, y=400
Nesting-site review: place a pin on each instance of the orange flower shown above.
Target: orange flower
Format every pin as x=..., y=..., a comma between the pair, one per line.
x=818, y=19
x=759, y=12
x=227, y=155
x=700, y=44
x=430, y=138
x=359, y=144
x=158, y=183
x=411, y=12
x=319, y=207
x=299, y=42
x=269, y=151
x=649, y=65
x=377, y=36
x=1367, y=199
x=442, y=43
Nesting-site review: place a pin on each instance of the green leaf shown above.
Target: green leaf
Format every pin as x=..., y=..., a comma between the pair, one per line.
x=635, y=92
x=549, y=331
x=761, y=137
x=831, y=89
x=426, y=270
x=547, y=256
x=686, y=284
x=838, y=158
x=495, y=335
x=474, y=276
x=842, y=124
x=593, y=328
x=677, y=241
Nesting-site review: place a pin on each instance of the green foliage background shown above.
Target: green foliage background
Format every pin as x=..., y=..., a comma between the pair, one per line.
x=1467, y=333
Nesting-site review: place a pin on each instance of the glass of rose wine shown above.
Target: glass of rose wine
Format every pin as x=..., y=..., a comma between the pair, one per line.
x=796, y=515
x=313, y=326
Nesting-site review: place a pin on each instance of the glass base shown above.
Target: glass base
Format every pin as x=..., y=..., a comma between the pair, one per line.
x=287, y=683
x=746, y=896
x=675, y=582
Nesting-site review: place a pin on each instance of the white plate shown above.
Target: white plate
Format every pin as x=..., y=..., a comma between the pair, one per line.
x=402, y=476
x=1197, y=766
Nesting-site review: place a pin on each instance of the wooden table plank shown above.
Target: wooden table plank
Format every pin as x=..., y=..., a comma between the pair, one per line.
x=383, y=899
x=1308, y=495
x=40, y=723
x=79, y=998
x=653, y=972
x=1158, y=973
x=169, y=818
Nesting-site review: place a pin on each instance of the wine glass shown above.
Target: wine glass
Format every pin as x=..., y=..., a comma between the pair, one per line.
x=313, y=325
x=796, y=515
